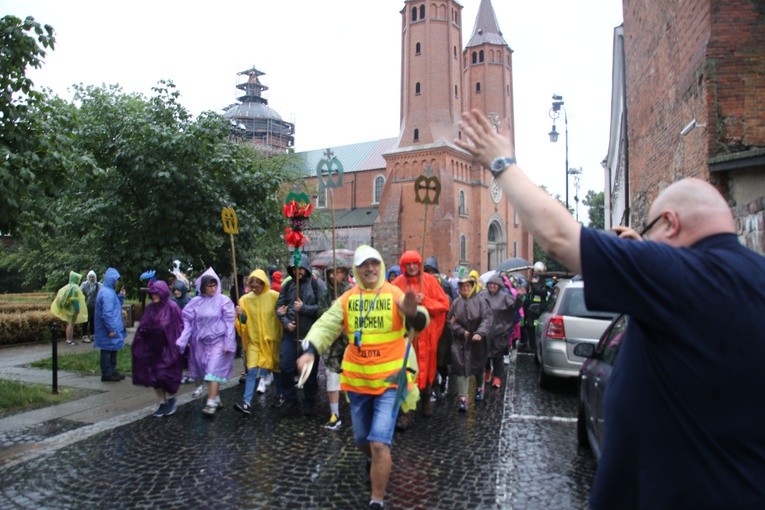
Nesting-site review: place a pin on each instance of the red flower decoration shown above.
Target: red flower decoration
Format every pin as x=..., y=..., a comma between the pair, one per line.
x=294, y=209
x=294, y=238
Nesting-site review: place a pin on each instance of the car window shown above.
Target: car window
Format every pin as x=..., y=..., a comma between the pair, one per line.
x=552, y=300
x=573, y=304
x=609, y=345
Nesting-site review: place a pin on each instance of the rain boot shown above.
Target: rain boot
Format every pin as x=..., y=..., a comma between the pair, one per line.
x=427, y=404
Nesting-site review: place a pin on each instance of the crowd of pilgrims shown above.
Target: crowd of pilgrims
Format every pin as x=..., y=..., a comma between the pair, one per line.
x=194, y=334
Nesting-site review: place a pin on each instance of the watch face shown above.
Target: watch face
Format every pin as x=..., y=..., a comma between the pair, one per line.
x=495, y=190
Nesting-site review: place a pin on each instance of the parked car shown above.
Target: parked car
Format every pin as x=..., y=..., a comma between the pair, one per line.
x=565, y=323
x=593, y=381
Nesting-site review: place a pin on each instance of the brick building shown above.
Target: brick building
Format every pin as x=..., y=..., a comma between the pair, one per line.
x=472, y=225
x=689, y=100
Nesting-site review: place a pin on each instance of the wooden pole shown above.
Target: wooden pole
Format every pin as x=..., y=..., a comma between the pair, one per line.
x=334, y=251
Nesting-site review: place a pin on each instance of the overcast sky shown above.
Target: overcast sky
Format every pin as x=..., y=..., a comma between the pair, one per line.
x=333, y=67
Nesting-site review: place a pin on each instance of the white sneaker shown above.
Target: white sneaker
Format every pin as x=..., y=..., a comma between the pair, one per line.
x=198, y=392
x=506, y=359
x=269, y=378
x=262, y=385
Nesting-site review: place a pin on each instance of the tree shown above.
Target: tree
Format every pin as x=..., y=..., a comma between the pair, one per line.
x=144, y=184
x=539, y=253
x=22, y=153
x=595, y=202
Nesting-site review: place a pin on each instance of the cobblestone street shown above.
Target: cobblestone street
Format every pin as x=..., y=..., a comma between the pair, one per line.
x=515, y=450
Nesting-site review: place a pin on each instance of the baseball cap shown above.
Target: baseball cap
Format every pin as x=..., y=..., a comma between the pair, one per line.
x=365, y=252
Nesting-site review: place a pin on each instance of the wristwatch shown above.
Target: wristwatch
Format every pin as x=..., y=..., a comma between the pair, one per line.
x=499, y=165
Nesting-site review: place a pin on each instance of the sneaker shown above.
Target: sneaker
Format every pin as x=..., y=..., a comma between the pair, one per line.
x=374, y=505
x=115, y=377
x=120, y=376
x=218, y=403
x=496, y=382
x=269, y=378
x=433, y=396
x=262, y=385
x=506, y=359
x=86, y=339
x=404, y=421
x=334, y=422
x=187, y=379
x=463, y=405
x=160, y=412
x=199, y=391
x=71, y=342
x=287, y=409
x=209, y=409
x=243, y=408
x=170, y=406
x=479, y=395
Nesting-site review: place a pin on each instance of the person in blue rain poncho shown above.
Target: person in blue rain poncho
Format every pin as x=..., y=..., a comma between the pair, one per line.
x=109, y=330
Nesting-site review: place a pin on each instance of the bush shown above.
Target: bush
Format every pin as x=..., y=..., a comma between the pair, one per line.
x=29, y=327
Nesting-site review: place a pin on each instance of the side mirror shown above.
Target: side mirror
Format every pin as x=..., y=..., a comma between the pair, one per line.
x=584, y=350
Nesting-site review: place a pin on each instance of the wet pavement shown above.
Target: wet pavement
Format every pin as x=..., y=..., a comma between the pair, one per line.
x=517, y=449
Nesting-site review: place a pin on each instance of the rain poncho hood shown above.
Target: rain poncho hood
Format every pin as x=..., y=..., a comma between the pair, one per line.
x=69, y=305
x=394, y=270
x=431, y=262
x=262, y=276
x=409, y=257
x=182, y=301
x=108, y=317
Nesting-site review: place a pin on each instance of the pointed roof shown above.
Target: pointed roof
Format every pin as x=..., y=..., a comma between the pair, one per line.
x=486, y=29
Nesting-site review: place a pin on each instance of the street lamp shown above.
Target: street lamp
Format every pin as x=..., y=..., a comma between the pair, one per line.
x=577, y=173
x=557, y=106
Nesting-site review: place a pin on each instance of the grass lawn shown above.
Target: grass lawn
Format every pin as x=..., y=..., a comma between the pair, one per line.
x=16, y=396
x=87, y=363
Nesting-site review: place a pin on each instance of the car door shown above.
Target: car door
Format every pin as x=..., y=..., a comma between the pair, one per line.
x=605, y=357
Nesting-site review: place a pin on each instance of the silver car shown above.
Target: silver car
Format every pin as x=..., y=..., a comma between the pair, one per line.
x=565, y=323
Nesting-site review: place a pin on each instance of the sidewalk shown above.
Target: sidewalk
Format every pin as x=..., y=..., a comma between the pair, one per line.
x=28, y=434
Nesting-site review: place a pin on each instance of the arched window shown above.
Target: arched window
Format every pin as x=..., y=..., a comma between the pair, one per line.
x=480, y=56
x=417, y=88
x=455, y=53
x=422, y=11
x=321, y=198
x=515, y=219
x=455, y=91
x=462, y=204
x=463, y=248
x=414, y=13
x=417, y=48
x=515, y=248
x=493, y=233
x=478, y=87
x=416, y=135
x=474, y=57
x=379, y=184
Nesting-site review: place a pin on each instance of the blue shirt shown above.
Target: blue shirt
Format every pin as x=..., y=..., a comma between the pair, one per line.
x=685, y=405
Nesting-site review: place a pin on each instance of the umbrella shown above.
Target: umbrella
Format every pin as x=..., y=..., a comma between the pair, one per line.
x=401, y=381
x=513, y=264
x=485, y=277
x=324, y=258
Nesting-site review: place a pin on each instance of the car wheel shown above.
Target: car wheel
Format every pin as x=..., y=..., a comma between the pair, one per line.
x=544, y=379
x=581, y=428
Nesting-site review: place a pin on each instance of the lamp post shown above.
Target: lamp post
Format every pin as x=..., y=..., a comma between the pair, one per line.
x=557, y=106
x=577, y=173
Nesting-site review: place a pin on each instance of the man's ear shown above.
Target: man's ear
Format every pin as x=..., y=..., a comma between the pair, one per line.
x=673, y=223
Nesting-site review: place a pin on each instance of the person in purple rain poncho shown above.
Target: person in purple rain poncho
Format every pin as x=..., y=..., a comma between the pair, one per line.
x=208, y=328
x=156, y=360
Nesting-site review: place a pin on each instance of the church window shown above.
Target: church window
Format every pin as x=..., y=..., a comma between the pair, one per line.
x=462, y=204
x=417, y=49
x=515, y=248
x=463, y=248
x=379, y=183
x=417, y=88
x=515, y=219
x=474, y=57
x=478, y=87
x=480, y=56
x=414, y=13
x=455, y=92
x=416, y=135
x=455, y=53
x=422, y=12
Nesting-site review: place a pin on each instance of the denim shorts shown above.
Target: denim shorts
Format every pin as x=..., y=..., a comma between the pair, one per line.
x=373, y=417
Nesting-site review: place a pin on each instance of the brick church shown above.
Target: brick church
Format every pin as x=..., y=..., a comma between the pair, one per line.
x=472, y=224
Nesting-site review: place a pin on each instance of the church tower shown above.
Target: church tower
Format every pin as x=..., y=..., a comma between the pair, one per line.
x=471, y=225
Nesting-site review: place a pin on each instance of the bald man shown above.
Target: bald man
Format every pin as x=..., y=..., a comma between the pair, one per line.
x=684, y=414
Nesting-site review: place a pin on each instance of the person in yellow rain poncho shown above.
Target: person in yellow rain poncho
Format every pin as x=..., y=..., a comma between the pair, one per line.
x=378, y=367
x=261, y=332
x=70, y=306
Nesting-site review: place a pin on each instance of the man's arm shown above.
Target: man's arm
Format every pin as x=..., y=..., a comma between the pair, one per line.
x=547, y=220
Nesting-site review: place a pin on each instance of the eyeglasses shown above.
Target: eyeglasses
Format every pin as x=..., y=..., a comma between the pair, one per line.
x=650, y=225
x=212, y=284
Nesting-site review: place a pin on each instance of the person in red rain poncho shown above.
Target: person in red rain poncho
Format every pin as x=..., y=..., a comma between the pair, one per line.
x=431, y=296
